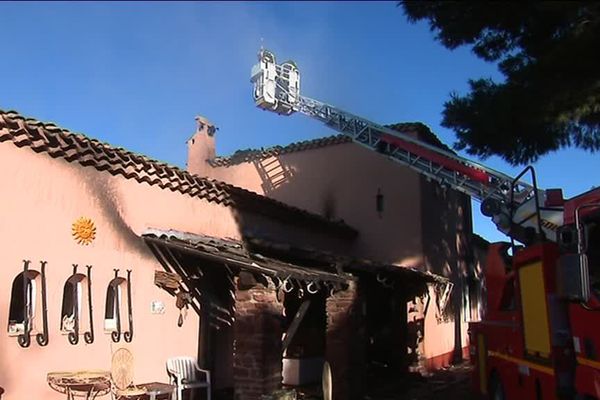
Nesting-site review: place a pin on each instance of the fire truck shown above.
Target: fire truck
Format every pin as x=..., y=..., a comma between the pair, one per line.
x=540, y=335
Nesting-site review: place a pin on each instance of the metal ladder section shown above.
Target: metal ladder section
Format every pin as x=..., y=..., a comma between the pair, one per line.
x=512, y=204
x=441, y=166
x=510, y=198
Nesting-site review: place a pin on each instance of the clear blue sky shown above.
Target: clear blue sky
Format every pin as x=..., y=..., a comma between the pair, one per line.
x=136, y=74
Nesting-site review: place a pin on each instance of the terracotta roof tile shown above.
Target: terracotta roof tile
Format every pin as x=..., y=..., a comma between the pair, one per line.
x=249, y=155
x=423, y=131
x=242, y=156
x=73, y=147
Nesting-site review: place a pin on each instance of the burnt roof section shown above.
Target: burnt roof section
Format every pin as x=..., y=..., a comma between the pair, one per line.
x=74, y=147
x=337, y=262
x=235, y=254
x=242, y=156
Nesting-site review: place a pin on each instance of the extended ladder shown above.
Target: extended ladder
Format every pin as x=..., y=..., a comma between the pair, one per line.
x=511, y=203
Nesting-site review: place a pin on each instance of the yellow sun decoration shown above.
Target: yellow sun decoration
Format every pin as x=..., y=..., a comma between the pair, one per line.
x=84, y=231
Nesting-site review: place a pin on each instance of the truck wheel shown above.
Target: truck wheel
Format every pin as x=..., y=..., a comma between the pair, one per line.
x=496, y=388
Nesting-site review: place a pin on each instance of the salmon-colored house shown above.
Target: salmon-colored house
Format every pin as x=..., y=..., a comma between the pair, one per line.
x=402, y=219
x=281, y=259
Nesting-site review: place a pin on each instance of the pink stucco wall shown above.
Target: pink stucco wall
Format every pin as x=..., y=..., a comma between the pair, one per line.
x=447, y=226
x=321, y=181
x=40, y=197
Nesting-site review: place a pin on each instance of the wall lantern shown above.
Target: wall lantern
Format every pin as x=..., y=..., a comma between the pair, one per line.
x=379, y=202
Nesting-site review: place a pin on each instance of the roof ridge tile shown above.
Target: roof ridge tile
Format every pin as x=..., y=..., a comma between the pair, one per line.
x=247, y=155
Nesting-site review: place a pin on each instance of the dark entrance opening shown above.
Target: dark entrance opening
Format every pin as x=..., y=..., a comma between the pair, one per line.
x=386, y=331
x=304, y=356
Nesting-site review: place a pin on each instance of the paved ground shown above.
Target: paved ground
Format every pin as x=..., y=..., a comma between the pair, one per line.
x=450, y=384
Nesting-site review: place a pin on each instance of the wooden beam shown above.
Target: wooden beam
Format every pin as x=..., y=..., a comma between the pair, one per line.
x=293, y=328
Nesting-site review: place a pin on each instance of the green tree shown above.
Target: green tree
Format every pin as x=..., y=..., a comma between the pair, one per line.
x=549, y=54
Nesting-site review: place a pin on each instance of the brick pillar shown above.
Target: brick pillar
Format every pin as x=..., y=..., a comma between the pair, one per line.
x=257, y=330
x=346, y=343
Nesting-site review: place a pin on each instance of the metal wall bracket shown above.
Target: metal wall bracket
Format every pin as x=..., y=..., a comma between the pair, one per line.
x=128, y=335
x=89, y=335
x=24, y=339
x=43, y=338
x=114, y=286
x=74, y=280
x=29, y=275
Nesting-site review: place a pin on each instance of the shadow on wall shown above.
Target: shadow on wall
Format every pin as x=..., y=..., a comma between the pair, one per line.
x=288, y=181
x=102, y=188
x=273, y=173
x=447, y=231
x=326, y=182
x=98, y=187
x=446, y=219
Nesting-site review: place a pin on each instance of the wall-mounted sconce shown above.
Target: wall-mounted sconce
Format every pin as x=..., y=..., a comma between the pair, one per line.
x=379, y=203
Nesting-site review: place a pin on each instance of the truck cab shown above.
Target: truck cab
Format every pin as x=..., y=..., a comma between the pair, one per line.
x=540, y=336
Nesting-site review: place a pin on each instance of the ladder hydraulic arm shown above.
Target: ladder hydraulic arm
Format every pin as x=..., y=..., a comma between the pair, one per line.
x=515, y=207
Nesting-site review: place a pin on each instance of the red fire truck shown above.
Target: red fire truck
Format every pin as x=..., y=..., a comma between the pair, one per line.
x=540, y=337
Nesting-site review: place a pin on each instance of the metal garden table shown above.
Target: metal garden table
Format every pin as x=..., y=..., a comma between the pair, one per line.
x=86, y=384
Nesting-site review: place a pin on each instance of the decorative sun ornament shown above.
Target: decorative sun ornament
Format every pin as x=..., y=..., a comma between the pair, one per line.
x=84, y=231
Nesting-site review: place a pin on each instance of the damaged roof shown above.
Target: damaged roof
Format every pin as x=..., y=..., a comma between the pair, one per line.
x=74, y=147
x=340, y=262
x=235, y=254
x=287, y=262
x=249, y=155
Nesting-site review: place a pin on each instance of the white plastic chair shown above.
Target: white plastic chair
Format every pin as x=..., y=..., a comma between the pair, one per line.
x=183, y=373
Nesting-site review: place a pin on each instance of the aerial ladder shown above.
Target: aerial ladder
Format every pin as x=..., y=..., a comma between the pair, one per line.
x=518, y=209
x=538, y=337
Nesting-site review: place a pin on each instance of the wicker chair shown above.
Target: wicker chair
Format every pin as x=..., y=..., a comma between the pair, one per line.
x=184, y=373
x=121, y=374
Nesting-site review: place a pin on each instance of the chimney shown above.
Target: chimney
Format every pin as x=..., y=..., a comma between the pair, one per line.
x=201, y=148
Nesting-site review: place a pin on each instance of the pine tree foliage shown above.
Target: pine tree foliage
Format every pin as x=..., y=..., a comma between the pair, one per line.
x=549, y=54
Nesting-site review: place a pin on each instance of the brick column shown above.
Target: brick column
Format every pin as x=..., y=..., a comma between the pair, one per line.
x=257, y=354
x=346, y=343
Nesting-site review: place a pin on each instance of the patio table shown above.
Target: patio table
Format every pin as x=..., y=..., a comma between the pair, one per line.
x=158, y=390
x=86, y=384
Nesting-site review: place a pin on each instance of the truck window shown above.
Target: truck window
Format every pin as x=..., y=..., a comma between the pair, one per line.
x=593, y=253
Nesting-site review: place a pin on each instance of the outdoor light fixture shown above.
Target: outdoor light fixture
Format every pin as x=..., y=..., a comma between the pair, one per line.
x=379, y=202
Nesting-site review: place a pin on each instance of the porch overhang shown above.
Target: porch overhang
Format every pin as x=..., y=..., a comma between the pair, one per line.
x=233, y=254
x=342, y=262
x=208, y=267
